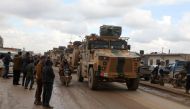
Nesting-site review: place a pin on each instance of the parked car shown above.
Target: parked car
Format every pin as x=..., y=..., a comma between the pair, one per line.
x=145, y=72
x=176, y=68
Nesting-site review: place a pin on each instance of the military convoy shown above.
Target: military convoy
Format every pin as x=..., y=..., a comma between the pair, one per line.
x=106, y=58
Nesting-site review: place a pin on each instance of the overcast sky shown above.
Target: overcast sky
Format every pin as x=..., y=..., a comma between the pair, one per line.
x=40, y=25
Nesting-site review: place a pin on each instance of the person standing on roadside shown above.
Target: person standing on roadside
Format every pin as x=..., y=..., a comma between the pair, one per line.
x=47, y=79
x=39, y=68
x=187, y=67
x=17, y=68
x=30, y=74
x=25, y=62
x=6, y=61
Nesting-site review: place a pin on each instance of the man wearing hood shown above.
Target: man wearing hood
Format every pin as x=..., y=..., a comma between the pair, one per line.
x=47, y=79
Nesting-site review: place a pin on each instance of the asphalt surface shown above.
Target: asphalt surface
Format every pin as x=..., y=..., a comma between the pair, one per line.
x=78, y=96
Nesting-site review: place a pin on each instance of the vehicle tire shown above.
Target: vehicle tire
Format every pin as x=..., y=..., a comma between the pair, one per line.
x=146, y=78
x=79, y=76
x=132, y=83
x=92, y=83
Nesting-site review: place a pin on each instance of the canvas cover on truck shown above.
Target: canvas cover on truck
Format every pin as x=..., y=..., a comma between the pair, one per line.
x=108, y=30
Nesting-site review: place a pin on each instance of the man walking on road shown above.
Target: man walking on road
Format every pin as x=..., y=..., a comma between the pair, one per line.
x=188, y=77
x=39, y=68
x=25, y=62
x=17, y=68
x=6, y=61
x=30, y=74
x=48, y=79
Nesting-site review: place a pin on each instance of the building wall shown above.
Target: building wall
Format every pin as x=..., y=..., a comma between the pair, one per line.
x=171, y=59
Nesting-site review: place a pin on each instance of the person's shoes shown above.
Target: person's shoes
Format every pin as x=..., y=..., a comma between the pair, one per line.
x=22, y=84
x=6, y=77
x=48, y=106
x=18, y=84
x=31, y=88
x=38, y=103
x=25, y=88
x=35, y=102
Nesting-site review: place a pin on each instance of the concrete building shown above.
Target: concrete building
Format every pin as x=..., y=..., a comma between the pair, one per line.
x=154, y=58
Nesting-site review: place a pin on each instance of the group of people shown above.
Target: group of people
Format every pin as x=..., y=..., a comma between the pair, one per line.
x=159, y=70
x=32, y=67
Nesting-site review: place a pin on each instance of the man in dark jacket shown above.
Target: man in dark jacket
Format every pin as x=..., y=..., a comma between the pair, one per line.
x=188, y=77
x=30, y=74
x=47, y=79
x=17, y=68
x=6, y=62
x=154, y=73
x=25, y=62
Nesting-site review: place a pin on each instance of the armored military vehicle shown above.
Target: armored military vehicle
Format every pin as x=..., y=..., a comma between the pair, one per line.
x=72, y=54
x=106, y=58
x=75, y=55
x=68, y=53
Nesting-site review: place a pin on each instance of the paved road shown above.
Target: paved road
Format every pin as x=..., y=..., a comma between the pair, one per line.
x=78, y=96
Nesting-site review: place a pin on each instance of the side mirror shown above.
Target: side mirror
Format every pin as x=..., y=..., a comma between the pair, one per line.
x=129, y=47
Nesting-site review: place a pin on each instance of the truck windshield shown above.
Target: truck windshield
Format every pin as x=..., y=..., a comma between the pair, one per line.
x=99, y=44
x=118, y=44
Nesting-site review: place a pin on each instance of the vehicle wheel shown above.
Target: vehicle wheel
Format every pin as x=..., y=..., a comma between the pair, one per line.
x=79, y=76
x=132, y=83
x=92, y=83
x=146, y=78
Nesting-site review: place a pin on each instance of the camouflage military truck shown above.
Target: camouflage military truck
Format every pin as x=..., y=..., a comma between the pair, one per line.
x=72, y=54
x=68, y=53
x=106, y=58
x=75, y=55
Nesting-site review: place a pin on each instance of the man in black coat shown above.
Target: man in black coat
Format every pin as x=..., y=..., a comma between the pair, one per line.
x=25, y=62
x=6, y=61
x=47, y=79
x=17, y=68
